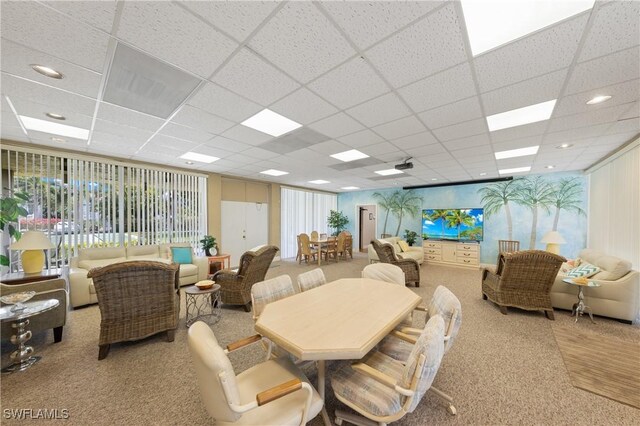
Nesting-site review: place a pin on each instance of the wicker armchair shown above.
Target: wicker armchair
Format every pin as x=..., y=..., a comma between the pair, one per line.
x=235, y=287
x=523, y=280
x=410, y=267
x=136, y=299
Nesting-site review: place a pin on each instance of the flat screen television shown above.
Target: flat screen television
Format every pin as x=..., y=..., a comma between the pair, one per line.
x=453, y=224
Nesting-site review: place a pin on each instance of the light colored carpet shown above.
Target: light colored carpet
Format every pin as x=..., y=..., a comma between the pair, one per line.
x=603, y=365
x=501, y=370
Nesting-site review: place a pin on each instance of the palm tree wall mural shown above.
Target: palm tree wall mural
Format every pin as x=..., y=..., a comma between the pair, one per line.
x=535, y=193
x=567, y=196
x=386, y=202
x=497, y=196
x=405, y=202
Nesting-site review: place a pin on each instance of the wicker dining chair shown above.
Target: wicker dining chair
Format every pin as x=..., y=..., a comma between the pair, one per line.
x=523, y=280
x=136, y=299
x=306, y=251
x=410, y=267
x=348, y=245
x=235, y=287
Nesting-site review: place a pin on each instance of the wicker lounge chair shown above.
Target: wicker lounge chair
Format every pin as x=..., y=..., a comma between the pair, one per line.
x=410, y=267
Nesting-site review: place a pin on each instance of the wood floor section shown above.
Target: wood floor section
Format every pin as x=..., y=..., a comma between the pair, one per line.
x=602, y=365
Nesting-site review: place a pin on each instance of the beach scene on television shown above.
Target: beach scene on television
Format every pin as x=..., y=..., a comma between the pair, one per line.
x=453, y=224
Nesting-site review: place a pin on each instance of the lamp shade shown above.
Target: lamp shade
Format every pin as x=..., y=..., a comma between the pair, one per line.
x=553, y=237
x=32, y=240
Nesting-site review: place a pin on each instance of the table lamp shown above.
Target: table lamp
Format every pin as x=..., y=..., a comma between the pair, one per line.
x=553, y=239
x=33, y=243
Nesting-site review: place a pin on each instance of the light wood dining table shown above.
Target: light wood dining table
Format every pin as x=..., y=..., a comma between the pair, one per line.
x=343, y=319
x=318, y=244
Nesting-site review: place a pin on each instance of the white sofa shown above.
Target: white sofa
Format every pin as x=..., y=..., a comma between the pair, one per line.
x=81, y=290
x=416, y=253
x=618, y=295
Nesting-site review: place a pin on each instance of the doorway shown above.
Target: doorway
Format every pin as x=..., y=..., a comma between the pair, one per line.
x=367, y=216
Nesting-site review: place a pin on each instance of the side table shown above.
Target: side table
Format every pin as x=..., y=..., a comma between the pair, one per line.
x=22, y=278
x=23, y=357
x=580, y=308
x=202, y=305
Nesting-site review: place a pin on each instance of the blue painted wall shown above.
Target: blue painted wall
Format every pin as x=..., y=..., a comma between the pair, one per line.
x=572, y=225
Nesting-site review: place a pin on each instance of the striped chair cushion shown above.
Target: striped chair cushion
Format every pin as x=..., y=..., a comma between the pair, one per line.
x=311, y=279
x=395, y=348
x=445, y=303
x=269, y=291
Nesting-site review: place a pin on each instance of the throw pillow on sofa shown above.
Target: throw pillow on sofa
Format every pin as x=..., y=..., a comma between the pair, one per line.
x=181, y=255
x=584, y=270
x=403, y=246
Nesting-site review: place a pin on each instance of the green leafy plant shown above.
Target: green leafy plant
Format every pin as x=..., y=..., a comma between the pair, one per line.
x=208, y=242
x=410, y=236
x=11, y=210
x=337, y=221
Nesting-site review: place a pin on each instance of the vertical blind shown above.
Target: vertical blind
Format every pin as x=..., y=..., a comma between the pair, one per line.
x=81, y=203
x=302, y=211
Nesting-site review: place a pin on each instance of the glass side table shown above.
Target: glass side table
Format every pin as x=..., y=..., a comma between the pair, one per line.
x=580, y=308
x=202, y=305
x=23, y=357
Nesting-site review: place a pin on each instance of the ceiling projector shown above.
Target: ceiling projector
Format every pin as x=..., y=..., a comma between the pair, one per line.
x=403, y=166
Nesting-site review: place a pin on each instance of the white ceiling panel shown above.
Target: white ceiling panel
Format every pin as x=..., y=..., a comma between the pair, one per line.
x=415, y=141
x=213, y=151
x=400, y=128
x=174, y=35
x=71, y=41
x=624, y=126
x=621, y=94
x=597, y=116
x=575, y=134
x=457, y=112
x=438, y=39
x=244, y=134
x=166, y=144
x=337, y=125
x=615, y=27
x=362, y=138
x=259, y=153
x=302, y=41
x=9, y=119
x=13, y=133
x=605, y=71
x=433, y=160
x=379, y=110
x=425, y=150
x=468, y=142
x=330, y=147
x=197, y=118
x=478, y=153
x=107, y=144
x=124, y=132
x=441, y=89
x=303, y=106
x=99, y=14
x=221, y=102
x=384, y=148
x=461, y=130
x=69, y=143
x=127, y=117
x=254, y=78
x=186, y=133
x=227, y=144
x=519, y=132
x=548, y=50
x=517, y=143
x=36, y=110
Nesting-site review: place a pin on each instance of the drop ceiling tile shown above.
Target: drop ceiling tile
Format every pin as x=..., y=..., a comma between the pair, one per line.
x=425, y=150
x=71, y=41
x=622, y=93
x=540, y=53
x=99, y=14
x=400, y=128
x=223, y=103
x=457, y=131
x=36, y=110
x=227, y=144
x=368, y=22
x=337, y=125
x=166, y=144
x=246, y=135
x=174, y=35
x=201, y=120
x=525, y=93
x=312, y=158
x=259, y=153
x=432, y=160
x=8, y=117
x=615, y=27
x=330, y=147
x=468, y=142
x=517, y=143
x=105, y=143
x=213, y=151
x=624, y=126
x=127, y=117
x=575, y=134
x=238, y=19
x=415, y=141
x=518, y=132
x=440, y=89
x=126, y=132
x=604, y=71
x=362, y=138
x=185, y=133
x=479, y=153
x=379, y=110
x=633, y=112
x=303, y=106
x=41, y=138
x=13, y=133
x=254, y=78
x=300, y=40
x=351, y=83
x=384, y=148
x=438, y=40
x=457, y=112
x=598, y=116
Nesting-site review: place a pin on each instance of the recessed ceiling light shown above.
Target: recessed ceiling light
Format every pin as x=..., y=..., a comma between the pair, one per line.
x=520, y=116
x=55, y=116
x=47, y=71
x=483, y=174
x=350, y=187
x=389, y=172
x=273, y=172
x=271, y=123
x=492, y=24
x=434, y=178
x=60, y=140
x=564, y=146
x=598, y=99
x=46, y=126
x=188, y=162
x=351, y=155
x=319, y=181
x=201, y=158
x=549, y=167
x=520, y=152
x=514, y=170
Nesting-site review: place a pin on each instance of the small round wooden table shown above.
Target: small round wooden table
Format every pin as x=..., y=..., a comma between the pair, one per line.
x=203, y=305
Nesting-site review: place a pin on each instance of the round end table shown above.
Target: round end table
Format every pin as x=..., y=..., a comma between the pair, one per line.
x=579, y=307
x=203, y=305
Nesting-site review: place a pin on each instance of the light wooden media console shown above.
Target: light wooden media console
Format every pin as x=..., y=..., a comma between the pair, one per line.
x=453, y=253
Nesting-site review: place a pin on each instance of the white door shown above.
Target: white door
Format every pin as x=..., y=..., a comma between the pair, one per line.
x=244, y=226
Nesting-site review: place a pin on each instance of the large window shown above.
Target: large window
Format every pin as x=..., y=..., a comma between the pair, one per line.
x=80, y=203
x=302, y=211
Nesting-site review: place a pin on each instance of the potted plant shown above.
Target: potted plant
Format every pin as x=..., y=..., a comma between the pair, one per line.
x=337, y=220
x=10, y=211
x=209, y=243
x=410, y=236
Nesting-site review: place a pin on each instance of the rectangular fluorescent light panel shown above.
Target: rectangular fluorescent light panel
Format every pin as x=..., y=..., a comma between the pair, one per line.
x=514, y=170
x=389, y=172
x=201, y=158
x=518, y=117
x=45, y=126
x=493, y=23
x=350, y=187
x=351, y=155
x=520, y=152
x=319, y=181
x=274, y=172
x=271, y=123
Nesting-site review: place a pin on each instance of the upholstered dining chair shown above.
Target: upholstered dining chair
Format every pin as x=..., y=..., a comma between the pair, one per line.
x=523, y=280
x=268, y=291
x=383, y=389
x=305, y=249
x=235, y=287
x=274, y=392
x=136, y=299
x=410, y=267
x=389, y=273
x=311, y=279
